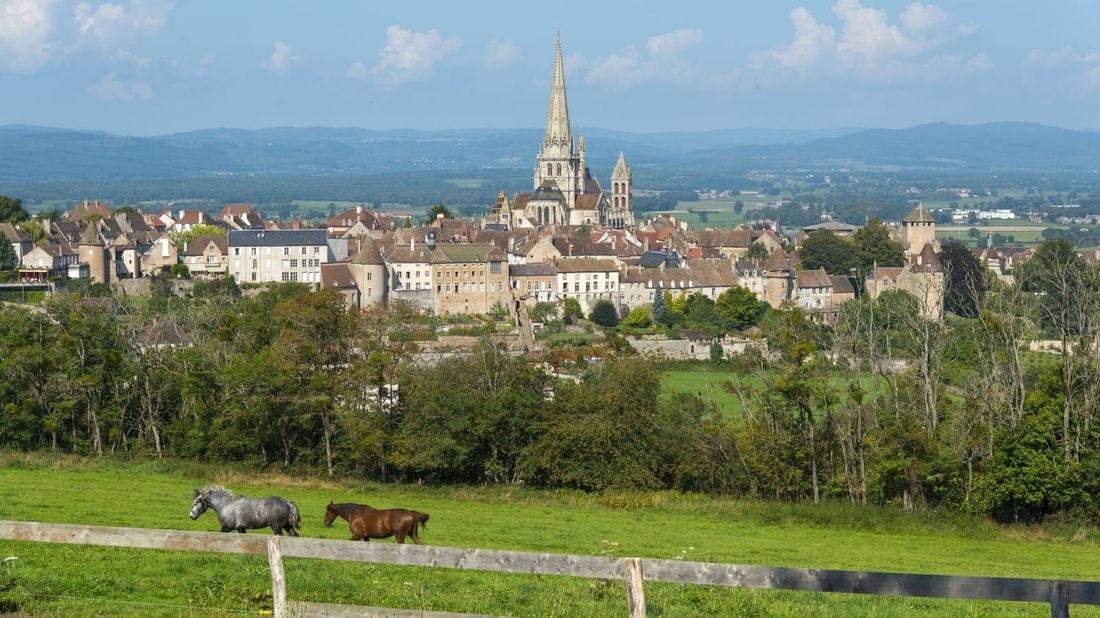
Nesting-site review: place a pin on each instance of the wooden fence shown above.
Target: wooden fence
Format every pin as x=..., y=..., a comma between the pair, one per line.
x=1058, y=593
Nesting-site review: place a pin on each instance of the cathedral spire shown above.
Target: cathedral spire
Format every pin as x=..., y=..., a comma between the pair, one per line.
x=559, y=135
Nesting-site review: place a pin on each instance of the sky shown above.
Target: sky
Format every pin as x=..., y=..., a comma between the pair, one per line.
x=156, y=67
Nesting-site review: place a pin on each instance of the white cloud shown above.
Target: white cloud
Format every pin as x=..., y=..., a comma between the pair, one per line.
x=410, y=55
x=500, y=54
x=281, y=58
x=663, y=61
x=865, y=44
x=112, y=88
x=25, y=27
x=811, y=41
x=116, y=24
x=917, y=17
x=1080, y=71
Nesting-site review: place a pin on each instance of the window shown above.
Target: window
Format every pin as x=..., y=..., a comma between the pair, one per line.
x=294, y=263
x=368, y=276
x=449, y=288
x=495, y=268
x=286, y=276
x=305, y=250
x=236, y=250
x=252, y=251
x=286, y=250
x=286, y=264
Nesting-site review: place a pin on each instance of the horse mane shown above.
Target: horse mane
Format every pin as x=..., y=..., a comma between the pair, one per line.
x=217, y=488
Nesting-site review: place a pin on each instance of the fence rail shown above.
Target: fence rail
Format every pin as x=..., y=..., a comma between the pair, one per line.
x=1058, y=593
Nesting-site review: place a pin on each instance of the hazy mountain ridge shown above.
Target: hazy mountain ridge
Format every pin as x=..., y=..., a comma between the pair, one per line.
x=51, y=154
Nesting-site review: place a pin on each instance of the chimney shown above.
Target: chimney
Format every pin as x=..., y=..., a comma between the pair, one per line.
x=412, y=244
x=182, y=212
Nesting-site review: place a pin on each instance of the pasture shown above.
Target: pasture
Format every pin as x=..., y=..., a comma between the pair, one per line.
x=88, y=581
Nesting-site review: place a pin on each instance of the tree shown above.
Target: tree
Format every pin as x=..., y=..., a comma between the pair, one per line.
x=739, y=308
x=8, y=259
x=182, y=238
x=600, y=434
x=1069, y=305
x=757, y=251
x=571, y=309
x=874, y=245
x=439, y=209
x=699, y=313
x=604, y=314
x=965, y=284
x=660, y=312
x=738, y=206
x=11, y=210
x=639, y=317
x=823, y=249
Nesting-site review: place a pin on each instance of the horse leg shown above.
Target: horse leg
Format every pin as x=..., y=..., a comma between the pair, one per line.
x=415, y=536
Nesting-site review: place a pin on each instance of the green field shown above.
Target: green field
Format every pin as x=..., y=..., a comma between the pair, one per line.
x=70, y=580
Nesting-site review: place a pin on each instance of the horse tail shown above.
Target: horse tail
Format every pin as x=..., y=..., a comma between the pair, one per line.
x=421, y=518
x=295, y=520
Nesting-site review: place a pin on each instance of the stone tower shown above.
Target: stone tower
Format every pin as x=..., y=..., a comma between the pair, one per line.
x=918, y=228
x=621, y=213
x=94, y=254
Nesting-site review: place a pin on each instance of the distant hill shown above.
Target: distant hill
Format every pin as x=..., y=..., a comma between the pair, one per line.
x=38, y=154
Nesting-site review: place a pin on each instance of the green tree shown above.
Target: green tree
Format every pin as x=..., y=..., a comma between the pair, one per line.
x=571, y=309
x=660, y=311
x=604, y=314
x=8, y=259
x=738, y=308
x=757, y=251
x=965, y=281
x=738, y=206
x=543, y=312
x=182, y=238
x=874, y=245
x=823, y=249
x=602, y=433
x=1069, y=306
x=439, y=209
x=11, y=210
x=699, y=313
x=639, y=317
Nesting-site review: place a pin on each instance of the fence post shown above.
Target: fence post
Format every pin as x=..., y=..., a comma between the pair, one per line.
x=635, y=596
x=278, y=579
x=1059, y=600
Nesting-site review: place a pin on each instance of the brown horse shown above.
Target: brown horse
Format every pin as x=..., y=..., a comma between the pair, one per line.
x=368, y=523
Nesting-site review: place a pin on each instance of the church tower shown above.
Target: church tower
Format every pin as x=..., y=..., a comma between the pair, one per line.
x=621, y=213
x=558, y=162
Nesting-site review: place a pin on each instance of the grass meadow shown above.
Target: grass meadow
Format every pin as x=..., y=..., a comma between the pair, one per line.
x=72, y=580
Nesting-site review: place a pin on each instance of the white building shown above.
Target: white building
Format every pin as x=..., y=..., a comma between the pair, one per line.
x=262, y=256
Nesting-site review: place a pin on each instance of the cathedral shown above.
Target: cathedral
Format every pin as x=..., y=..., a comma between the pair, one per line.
x=565, y=193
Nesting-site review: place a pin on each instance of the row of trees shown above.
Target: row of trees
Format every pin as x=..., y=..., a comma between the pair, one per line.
x=881, y=406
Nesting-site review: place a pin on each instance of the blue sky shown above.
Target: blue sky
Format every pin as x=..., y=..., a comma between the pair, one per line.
x=153, y=67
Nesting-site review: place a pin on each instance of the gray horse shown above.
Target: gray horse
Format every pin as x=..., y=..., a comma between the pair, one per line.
x=240, y=513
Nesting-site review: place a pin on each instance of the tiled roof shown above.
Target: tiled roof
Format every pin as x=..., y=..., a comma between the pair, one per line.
x=277, y=238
